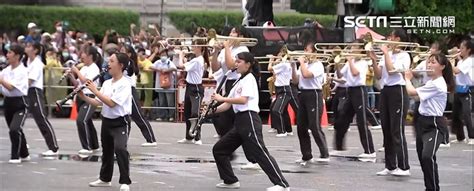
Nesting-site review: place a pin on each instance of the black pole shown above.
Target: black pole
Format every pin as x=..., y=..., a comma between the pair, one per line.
x=161, y=17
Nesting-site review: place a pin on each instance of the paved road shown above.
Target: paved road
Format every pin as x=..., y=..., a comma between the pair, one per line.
x=172, y=166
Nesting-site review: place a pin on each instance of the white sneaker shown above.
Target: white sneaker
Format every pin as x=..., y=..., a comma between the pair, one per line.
x=250, y=166
x=281, y=135
x=445, y=145
x=26, y=159
x=96, y=150
x=235, y=185
x=14, y=161
x=124, y=187
x=154, y=144
x=290, y=133
x=382, y=149
x=49, y=153
x=385, y=172
x=185, y=141
x=159, y=119
x=365, y=155
x=470, y=142
x=400, y=172
x=376, y=127
x=323, y=160
x=85, y=152
x=197, y=142
x=455, y=141
x=272, y=130
x=278, y=188
x=305, y=162
x=171, y=119
x=100, y=183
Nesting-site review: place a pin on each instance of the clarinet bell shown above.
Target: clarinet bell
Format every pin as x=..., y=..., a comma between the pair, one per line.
x=194, y=126
x=59, y=105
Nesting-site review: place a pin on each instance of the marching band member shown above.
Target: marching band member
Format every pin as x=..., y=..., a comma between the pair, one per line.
x=462, y=104
x=224, y=59
x=422, y=77
x=354, y=71
x=14, y=85
x=246, y=129
x=137, y=115
x=87, y=133
x=431, y=127
x=115, y=96
x=282, y=75
x=394, y=106
x=34, y=51
x=194, y=89
x=309, y=78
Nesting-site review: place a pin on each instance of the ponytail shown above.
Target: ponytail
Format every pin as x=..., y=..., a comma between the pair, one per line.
x=447, y=71
x=205, y=55
x=96, y=57
x=133, y=66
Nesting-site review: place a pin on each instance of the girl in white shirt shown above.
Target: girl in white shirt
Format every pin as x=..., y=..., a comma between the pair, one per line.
x=431, y=126
x=194, y=89
x=309, y=78
x=464, y=93
x=115, y=96
x=393, y=105
x=35, y=53
x=86, y=129
x=137, y=115
x=247, y=128
x=223, y=58
x=14, y=85
x=281, y=70
x=354, y=71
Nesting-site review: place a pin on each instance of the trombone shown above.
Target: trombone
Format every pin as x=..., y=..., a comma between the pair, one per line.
x=410, y=47
x=217, y=39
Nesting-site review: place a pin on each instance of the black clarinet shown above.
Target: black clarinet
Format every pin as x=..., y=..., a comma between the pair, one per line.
x=196, y=123
x=60, y=103
x=69, y=63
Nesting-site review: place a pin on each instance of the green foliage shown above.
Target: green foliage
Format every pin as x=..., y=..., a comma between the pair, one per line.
x=217, y=19
x=92, y=20
x=461, y=9
x=314, y=6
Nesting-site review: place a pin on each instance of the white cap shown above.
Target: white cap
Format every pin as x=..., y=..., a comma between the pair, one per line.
x=46, y=34
x=20, y=38
x=31, y=25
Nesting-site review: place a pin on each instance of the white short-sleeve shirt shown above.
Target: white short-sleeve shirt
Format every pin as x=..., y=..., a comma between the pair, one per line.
x=466, y=76
x=282, y=73
x=400, y=61
x=433, y=96
x=221, y=59
x=121, y=94
x=89, y=72
x=246, y=87
x=316, y=82
x=195, y=70
x=35, y=72
x=18, y=78
x=359, y=80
